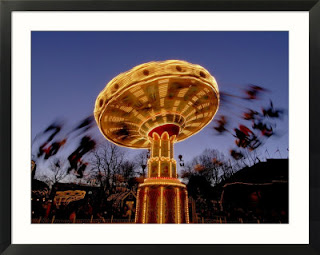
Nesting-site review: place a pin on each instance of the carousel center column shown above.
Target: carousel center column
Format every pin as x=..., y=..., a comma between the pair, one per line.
x=162, y=198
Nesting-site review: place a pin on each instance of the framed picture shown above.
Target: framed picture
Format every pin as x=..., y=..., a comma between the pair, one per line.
x=254, y=55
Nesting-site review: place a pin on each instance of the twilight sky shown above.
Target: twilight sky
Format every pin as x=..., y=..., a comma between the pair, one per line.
x=69, y=69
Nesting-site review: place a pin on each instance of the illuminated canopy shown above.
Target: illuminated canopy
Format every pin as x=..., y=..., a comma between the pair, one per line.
x=65, y=197
x=154, y=94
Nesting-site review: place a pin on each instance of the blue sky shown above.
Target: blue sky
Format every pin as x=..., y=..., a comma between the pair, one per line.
x=69, y=69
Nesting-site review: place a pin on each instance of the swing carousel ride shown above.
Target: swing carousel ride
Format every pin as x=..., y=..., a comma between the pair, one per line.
x=153, y=106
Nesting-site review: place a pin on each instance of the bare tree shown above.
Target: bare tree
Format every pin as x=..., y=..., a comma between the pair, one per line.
x=106, y=161
x=141, y=162
x=211, y=164
x=127, y=169
x=56, y=174
x=59, y=173
x=227, y=170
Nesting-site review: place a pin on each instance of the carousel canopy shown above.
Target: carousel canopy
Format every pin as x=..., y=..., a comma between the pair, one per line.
x=155, y=94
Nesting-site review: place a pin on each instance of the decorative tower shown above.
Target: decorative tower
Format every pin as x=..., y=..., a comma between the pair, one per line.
x=153, y=106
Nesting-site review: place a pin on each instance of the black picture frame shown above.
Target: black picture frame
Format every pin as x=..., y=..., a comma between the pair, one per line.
x=7, y=7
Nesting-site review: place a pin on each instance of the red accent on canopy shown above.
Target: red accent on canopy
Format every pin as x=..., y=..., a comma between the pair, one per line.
x=170, y=128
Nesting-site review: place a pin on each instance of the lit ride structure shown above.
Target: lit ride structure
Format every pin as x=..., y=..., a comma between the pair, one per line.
x=153, y=106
